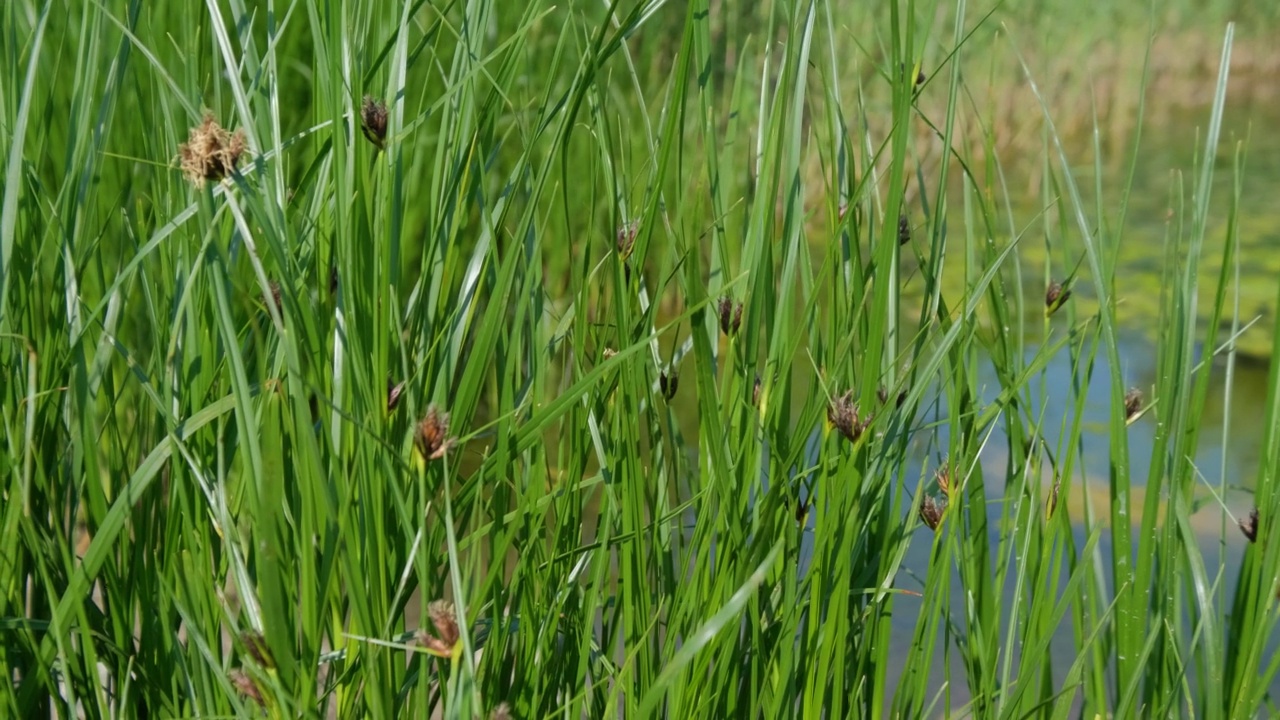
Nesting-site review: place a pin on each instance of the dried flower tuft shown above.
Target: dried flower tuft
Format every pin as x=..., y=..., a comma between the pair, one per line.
x=1054, y=297
x=256, y=645
x=445, y=621
x=843, y=210
x=211, y=152
x=842, y=413
x=432, y=437
x=609, y=353
x=1132, y=403
x=245, y=685
x=444, y=617
x=931, y=512
x=904, y=230
x=730, y=315
x=502, y=712
x=1249, y=526
x=668, y=383
x=373, y=121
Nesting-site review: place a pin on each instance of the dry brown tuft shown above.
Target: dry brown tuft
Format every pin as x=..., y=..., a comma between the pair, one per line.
x=842, y=413
x=211, y=152
x=442, y=617
x=432, y=436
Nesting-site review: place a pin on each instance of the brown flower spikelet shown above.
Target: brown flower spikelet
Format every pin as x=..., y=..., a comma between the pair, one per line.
x=245, y=685
x=373, y=121
x=1132, y=403
x=668, y=383
x=211, y=152
x=256, y=646
x=842, y=413
x=394, y=391
x=904, y=230
x=1249, y=526
x=626, y=238
x=931, y=512
x=442, y=617
x=1054, y=296
x=730, y=314
x=943, y=478
x=432, y=436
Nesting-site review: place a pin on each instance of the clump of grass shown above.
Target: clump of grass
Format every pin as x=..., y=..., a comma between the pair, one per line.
x=610, y=547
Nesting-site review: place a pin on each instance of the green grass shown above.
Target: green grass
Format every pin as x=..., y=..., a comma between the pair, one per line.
x=204, y=492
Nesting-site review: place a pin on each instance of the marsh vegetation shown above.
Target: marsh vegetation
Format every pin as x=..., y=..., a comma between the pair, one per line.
x=802, y=358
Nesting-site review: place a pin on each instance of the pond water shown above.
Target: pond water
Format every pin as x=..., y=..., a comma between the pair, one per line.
x=1230, y=458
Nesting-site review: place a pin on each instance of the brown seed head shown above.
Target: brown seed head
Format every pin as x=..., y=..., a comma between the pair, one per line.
x=755, y=391
x=1249, y=525
x=256, y=645
x=502, y=712
x=1132, y=403
x=626, y=238
x=245, y=685
x=211, y=152
x=432, y=438
x=394, y=391
x=609, y=352
x=730, y=314
x=1054, y=297
x=842, y=413
x=882, y=395
x=668, y=383
x=445, y=620
x=373, y=121
x=943, y=478
x=931, y=512
x=904, y=230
